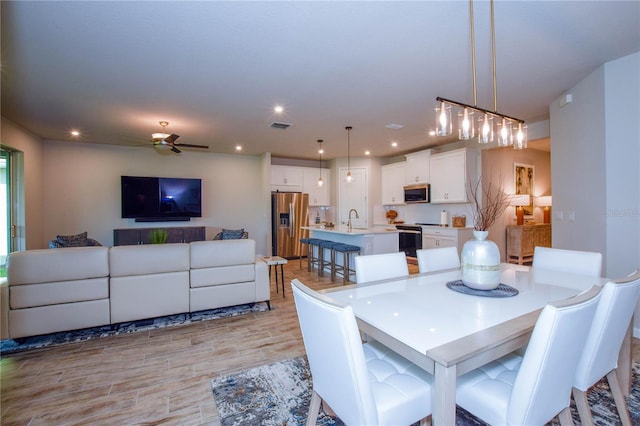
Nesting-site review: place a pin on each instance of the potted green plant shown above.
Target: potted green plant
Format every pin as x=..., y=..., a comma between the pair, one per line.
x=158, y=236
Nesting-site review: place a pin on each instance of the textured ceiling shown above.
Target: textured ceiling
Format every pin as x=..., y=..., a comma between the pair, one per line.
x=215, y=70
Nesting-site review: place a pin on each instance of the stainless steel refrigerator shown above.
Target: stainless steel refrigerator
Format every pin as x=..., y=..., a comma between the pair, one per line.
x=289, y=212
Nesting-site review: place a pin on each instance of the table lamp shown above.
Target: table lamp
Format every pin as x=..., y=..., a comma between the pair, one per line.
x=519, y=201
x=545, y=203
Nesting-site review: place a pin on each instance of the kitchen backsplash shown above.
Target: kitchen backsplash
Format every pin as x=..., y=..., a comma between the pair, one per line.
x=423, y=213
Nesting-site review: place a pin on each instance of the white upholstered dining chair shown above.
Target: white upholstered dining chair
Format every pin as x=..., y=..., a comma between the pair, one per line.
x=574, y=261
x=361, y=385
x=438, y=259
x=374, y=267
x=618, y=300
x=533, y=389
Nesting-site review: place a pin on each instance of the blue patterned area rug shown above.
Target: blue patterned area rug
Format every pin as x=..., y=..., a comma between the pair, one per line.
x=279, y=394
x=10, y=346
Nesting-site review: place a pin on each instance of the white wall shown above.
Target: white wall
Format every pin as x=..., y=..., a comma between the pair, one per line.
x=29, y=223
x=595, y=144
x=82, y=189
x=578, y=170
x=622, y=109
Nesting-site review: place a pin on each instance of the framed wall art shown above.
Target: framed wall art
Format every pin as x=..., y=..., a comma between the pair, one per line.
x=523, y=175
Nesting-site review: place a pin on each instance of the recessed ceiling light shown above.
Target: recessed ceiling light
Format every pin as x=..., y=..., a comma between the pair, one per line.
x=238, y=147
x=394, y=126
x=75, y=133
x=278, y=109
x=432, y=133
x=394, y=144
x=367, y=152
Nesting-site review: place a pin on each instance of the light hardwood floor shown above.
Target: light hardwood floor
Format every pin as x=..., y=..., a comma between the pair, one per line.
x=157, y=377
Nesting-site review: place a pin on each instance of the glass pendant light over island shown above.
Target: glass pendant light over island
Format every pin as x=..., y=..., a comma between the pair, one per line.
x=320, y=152
x=348, y=128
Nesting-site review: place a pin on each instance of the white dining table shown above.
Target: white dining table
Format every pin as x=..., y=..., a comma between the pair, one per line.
x=449, y=333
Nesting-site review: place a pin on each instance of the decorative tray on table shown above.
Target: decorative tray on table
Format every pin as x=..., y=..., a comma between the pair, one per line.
x=503, y=290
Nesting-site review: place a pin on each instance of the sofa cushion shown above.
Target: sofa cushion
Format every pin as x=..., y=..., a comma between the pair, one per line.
x=44, y=265
x=54, y=318
x=222, y=275
x=148, y=259
x=53, y=293
x=148, y=296
x=207, y=254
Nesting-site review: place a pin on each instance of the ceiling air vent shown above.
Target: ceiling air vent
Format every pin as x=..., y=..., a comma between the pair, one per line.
x=278, y=125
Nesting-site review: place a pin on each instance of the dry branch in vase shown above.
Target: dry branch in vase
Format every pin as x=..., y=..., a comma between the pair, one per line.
x=487, y=204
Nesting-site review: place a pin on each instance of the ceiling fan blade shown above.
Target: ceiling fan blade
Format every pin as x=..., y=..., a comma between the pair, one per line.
x=172, y=138
x=176, y=150
x=186, y=145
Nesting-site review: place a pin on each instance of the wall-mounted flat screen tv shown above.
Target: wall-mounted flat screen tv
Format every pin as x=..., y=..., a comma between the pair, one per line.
x=159, y=198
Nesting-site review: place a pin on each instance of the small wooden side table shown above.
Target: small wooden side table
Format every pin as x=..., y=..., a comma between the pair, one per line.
x=275, y=261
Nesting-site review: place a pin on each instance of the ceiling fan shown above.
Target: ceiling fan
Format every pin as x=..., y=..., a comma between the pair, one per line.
x=164, y=141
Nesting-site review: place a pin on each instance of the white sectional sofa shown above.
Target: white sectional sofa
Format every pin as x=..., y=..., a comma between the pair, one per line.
x=62, y=289
x=58, y=289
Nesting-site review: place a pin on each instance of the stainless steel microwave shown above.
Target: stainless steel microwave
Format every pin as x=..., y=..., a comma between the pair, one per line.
x=419, y=193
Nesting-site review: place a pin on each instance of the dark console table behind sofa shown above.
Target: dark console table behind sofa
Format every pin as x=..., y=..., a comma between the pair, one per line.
x=179, y=234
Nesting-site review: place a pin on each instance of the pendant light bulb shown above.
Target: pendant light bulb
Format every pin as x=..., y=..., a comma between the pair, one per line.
x=520, y=140
x=466, y=129
x=485, y=129
x=349, y=177
x=443, y=125
x=504, y=134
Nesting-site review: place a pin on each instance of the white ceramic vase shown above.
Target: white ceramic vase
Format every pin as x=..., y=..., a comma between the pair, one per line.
x=480, y=261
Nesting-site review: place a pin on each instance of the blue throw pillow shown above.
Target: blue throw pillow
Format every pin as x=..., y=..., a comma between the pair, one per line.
x=232, y=234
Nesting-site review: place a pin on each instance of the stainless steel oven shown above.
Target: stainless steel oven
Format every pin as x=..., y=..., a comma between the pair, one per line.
x=410, y=239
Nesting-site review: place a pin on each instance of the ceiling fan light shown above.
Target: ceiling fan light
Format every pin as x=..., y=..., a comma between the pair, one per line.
x=160, y=136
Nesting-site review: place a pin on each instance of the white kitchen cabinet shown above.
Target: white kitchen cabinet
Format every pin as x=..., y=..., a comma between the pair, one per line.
x=318, y=195
x=450, y=174
x=393, y=181
x=418, y=167
x=286, y=179
x=437, y=237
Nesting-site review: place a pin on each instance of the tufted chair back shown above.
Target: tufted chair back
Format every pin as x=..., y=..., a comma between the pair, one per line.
x=361, y=384
x=533, y=389
x=618, y=301
x=577, y=262
x=437, y=259
x=376, y=267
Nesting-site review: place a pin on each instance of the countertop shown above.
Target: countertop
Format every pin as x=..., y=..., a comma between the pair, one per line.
x=342, y=230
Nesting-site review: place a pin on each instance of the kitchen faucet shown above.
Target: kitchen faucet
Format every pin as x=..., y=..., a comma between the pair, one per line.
x=349, y=221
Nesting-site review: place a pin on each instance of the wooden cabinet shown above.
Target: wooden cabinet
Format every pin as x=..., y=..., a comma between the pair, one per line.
x=318, y=195
x=417, y=169
x=450, y=174
x=522, y=240
x=177, y=234
x=286, y=179
x=393, y=181
x=435, y=237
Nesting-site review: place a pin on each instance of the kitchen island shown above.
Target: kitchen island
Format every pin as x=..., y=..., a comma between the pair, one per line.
x=377, y=240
